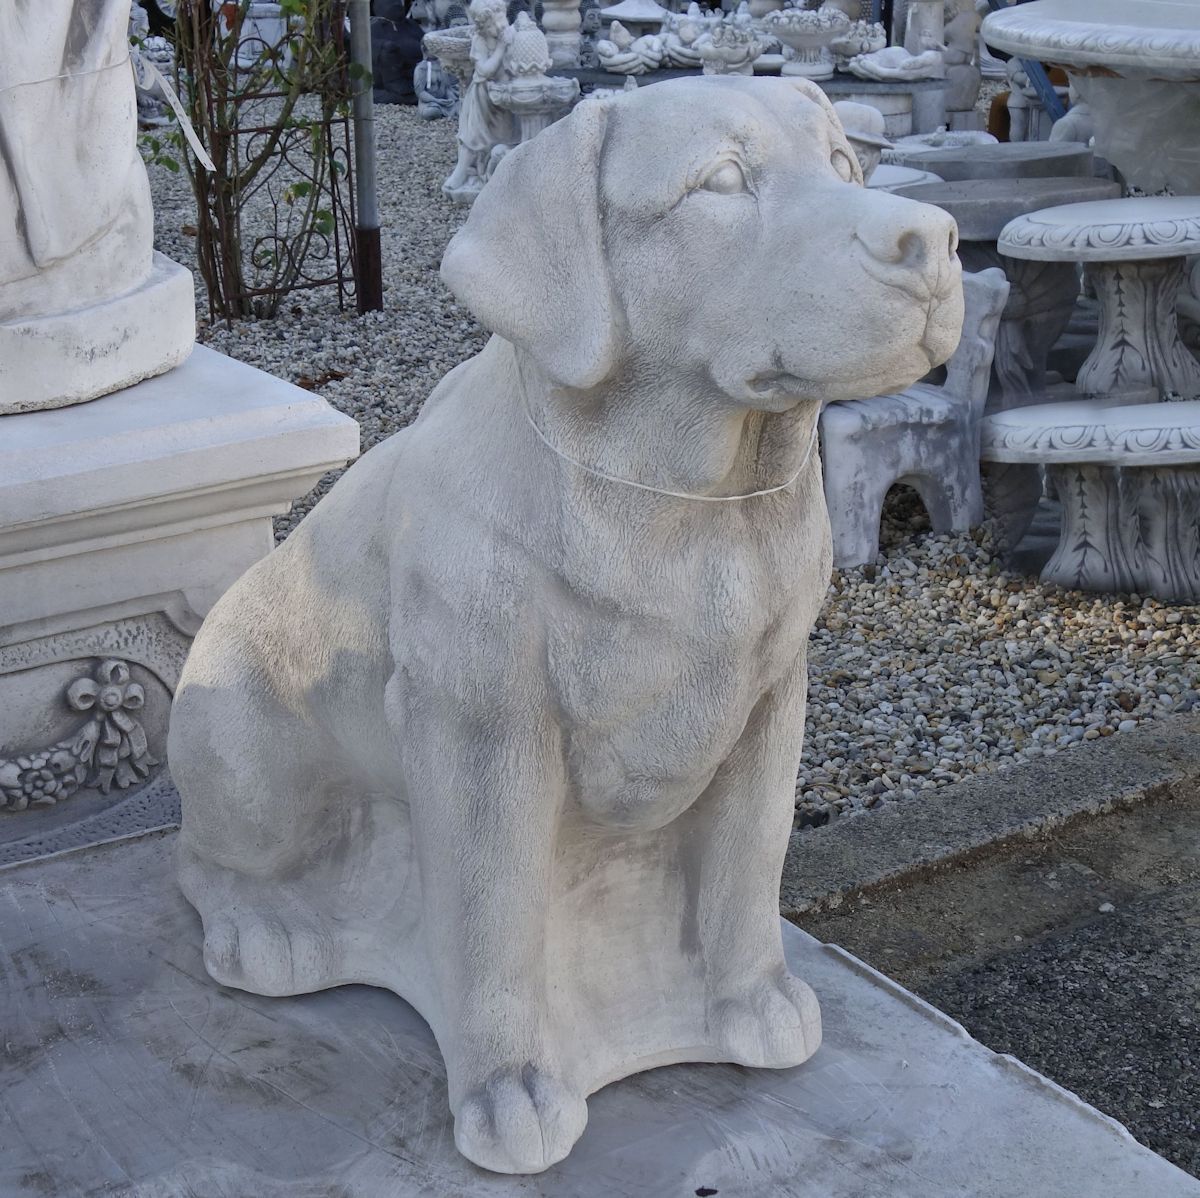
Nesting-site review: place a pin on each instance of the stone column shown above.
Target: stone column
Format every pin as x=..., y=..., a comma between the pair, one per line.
x=560, y=23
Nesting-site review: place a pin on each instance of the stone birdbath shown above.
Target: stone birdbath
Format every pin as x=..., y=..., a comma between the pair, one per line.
x=808, y=35
x=452, y=48
x=1136, y=64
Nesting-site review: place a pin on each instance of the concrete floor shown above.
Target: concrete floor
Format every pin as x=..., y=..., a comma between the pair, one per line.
x=126, y=1071
x=1021, y=949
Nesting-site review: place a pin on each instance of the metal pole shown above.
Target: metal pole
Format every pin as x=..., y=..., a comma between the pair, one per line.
x=366, y=232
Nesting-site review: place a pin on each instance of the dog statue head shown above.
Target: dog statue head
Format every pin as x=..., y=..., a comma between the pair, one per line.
x=714, y=230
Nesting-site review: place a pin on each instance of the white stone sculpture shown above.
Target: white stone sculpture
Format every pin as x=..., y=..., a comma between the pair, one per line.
x=961, y=57
x=482, y=124
x=589, y=38
x=806, y=36
x=640, y=17
x=1028, y=120
x=436, y=90
x=623, y=54
x=534, y=98
x=86, y=305
x=862, y=37
x=679, y=40
x=510, y=724
x=864, y=128
x=924, y=26
x=895, y=64
x=729, y=49
x=148, y=55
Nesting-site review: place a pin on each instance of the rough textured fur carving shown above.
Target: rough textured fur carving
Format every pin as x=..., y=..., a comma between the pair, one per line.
x=517, y=742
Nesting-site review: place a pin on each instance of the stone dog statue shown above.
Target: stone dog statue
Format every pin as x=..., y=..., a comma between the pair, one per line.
x=510, y=725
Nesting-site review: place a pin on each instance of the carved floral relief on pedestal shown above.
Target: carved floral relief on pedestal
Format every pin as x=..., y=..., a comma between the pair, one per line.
x=110, y=749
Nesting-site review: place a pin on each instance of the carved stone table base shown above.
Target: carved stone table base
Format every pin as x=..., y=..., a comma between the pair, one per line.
x=1139, y=346
x=1128, y=478
x=1128, y=529
x=121, y=522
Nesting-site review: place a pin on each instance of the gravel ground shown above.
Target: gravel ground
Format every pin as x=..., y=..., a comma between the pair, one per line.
x=928, y=665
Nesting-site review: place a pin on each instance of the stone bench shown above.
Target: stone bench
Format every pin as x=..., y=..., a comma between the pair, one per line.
x=1128, y=477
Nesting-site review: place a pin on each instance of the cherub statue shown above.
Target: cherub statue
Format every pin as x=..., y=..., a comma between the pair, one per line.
x=963, y=77
x=437, y=90
x=481, y=124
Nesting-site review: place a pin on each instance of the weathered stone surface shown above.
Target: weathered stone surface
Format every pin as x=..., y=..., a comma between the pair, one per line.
x=86, y=306
x=473, y=732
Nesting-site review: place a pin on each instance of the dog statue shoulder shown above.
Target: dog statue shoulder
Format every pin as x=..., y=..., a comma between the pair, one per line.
x=511, y=723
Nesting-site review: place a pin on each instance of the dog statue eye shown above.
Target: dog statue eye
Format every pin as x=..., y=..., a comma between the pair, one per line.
x=726, y=179
x=842, y=164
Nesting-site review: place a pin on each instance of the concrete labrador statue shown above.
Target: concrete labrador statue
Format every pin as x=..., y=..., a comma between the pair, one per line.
x=510, y=725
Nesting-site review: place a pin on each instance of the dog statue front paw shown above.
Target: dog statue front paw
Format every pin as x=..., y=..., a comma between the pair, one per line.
x=773, y=1022
x=520, y=1120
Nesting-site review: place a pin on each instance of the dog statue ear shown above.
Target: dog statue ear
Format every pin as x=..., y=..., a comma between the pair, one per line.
x=529, y=262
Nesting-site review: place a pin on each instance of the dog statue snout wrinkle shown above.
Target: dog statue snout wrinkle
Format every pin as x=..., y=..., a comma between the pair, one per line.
x=510, y=724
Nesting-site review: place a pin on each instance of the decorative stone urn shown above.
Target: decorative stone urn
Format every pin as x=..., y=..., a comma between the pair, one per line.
x=534, y=98
x=806, y=36
x=729, y=50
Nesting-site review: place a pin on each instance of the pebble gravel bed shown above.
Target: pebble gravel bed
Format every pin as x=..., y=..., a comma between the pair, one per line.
x=926, y=666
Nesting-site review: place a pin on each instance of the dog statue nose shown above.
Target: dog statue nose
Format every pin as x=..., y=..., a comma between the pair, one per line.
x=909, y=235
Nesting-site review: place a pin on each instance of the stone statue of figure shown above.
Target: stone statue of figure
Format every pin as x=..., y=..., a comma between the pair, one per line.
x=481, y=124
x=74, y=198
x=437, y=90
x=76, y=224
x=395, y=53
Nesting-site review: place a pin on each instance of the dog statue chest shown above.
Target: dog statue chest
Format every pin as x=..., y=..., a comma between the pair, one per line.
x=701, y=627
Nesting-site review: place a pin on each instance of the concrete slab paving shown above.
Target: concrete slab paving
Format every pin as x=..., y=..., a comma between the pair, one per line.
x=1078, y=952
x=126, y=1070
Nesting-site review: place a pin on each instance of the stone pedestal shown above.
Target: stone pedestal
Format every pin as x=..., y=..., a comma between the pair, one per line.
x=561, y=22
x=121, y=523
x=535, y=103
x=61, y=359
